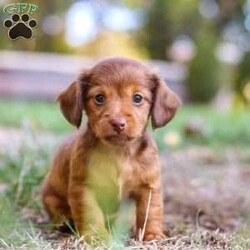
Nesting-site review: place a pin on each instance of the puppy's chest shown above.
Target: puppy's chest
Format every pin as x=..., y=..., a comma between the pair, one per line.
x=107, y=175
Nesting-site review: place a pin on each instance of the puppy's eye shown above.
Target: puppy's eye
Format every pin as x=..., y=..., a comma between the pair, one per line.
x=137, y=99
x=99, y=99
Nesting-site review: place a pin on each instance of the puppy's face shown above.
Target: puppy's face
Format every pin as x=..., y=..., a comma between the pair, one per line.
x=118, y=96
x=118, y=102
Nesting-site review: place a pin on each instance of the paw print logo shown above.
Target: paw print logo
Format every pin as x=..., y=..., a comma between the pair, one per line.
x=20, y=26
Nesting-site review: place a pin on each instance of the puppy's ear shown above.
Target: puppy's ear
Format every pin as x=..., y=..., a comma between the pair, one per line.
x=71, y=100
x=165, y=103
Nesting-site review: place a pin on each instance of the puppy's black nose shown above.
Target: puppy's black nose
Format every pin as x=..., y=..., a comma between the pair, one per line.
x=118, y=124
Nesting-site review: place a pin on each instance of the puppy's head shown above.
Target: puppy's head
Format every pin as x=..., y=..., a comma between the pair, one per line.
x=119, y=95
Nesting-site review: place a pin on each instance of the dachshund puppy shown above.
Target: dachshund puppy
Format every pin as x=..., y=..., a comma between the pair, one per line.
x=113, y=158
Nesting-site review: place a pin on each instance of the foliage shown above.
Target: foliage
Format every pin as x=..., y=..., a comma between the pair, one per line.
x=243, y=78
x=113, y=43
x=164, y=20
x=157, y=30
x=202, y=81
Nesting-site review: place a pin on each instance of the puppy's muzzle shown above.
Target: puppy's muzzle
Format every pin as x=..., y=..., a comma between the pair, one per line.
x=118, y=124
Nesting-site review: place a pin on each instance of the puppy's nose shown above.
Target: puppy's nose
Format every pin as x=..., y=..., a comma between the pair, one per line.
x=118, y=124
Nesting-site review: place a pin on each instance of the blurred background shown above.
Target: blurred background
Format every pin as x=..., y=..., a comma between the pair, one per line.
x=200, y=47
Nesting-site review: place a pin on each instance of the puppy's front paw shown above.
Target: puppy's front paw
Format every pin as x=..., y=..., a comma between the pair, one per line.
x=154, y=236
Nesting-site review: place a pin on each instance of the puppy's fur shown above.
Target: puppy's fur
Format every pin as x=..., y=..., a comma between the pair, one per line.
x=113, y=158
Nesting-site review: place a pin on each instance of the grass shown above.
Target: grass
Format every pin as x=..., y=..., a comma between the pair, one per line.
x=214, y=128
x=41, y=115
x=23, y=168
x=21, y=172
x=17, y=232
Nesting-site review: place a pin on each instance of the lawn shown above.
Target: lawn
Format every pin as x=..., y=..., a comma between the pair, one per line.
x=206, y=175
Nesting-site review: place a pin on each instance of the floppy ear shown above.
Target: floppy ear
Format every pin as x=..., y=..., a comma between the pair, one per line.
x=71, y=100
x=165, y=104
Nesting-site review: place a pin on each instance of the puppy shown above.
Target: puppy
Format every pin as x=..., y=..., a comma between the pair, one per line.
x=113, y=158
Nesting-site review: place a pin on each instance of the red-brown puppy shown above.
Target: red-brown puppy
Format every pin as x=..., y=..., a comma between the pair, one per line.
x=114, y=157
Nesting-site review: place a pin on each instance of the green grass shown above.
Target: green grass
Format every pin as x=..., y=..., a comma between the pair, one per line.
x=217, y=128
x=21, y=174
x=42, y=115
x=17, y=232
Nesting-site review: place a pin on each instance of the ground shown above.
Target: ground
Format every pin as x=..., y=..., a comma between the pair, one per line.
x=206, y=180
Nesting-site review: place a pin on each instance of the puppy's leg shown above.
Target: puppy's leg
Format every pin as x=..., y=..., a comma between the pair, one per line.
x=56, y=207
x=87, y=214
x=149, y=214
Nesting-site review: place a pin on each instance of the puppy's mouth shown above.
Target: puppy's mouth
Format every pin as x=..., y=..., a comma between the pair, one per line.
x=119, y=139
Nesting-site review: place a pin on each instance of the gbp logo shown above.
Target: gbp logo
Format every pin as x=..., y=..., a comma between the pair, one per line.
x=20, y=24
